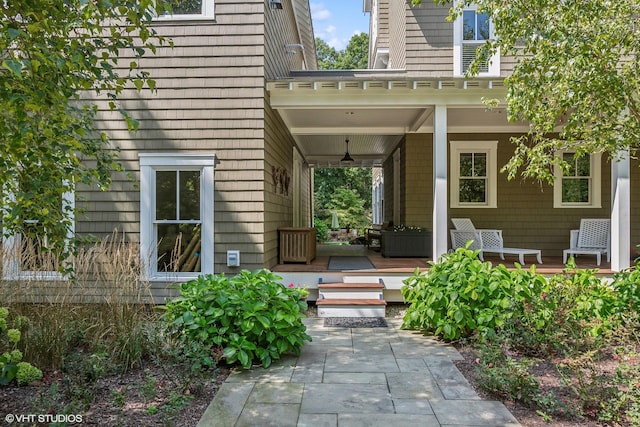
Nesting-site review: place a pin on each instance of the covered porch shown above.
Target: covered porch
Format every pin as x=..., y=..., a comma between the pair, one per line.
x=410, y=127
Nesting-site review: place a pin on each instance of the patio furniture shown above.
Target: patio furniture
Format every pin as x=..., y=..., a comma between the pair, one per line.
x=593, y=238
x=486, y=240
x=297, y=244
x=374, y=235
x=406, y=244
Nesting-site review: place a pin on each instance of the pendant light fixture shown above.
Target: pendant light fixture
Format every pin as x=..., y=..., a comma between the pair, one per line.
x=347, y=157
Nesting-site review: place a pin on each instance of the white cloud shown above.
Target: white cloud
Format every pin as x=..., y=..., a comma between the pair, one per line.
x=319, y=12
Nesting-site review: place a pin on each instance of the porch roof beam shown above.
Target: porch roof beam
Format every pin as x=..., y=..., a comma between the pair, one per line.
x=367, y=93
x=362, y=99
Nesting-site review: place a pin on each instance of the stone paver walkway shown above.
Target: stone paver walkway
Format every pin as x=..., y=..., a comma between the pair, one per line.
x=365, y=377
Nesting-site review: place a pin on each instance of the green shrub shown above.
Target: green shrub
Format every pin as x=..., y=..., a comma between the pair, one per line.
x=505, y=376
x=627, y=287
x=27, y=373
x=11, y=364
x=461, y=295
x=322, y=230
x=247, y=318
x=568, y=313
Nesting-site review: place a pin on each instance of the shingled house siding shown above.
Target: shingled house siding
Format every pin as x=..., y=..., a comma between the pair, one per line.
x=418, y=189
x=209, y=99
x=397, y=38
x=429, y=41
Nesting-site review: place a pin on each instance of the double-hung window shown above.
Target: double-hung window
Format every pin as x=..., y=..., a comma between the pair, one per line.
x=176, y=208
x=189, y=9
x=473, y=174
x=578, y=185
x=472, y=30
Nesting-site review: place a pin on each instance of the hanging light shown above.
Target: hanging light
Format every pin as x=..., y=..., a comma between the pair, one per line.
x=347, y=157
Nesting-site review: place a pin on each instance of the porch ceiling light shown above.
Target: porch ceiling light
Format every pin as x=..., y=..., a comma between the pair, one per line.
x=347, y=157
x=276, y=4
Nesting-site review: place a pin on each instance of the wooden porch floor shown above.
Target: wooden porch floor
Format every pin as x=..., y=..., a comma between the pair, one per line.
x=550, y=265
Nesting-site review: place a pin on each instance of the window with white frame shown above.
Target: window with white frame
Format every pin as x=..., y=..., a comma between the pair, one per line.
x=474, y=174
x=189, y=9
x=27, y=254
x=176, y=214
x=578, y=185
x=472, y=30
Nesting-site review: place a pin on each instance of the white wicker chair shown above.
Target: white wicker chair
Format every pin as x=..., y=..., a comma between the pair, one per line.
x=486, y=240
x=593, y=238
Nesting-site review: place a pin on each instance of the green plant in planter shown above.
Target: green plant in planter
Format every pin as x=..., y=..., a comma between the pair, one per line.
x=248, y=318
x=412, y=228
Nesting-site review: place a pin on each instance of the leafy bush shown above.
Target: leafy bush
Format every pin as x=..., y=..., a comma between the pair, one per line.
x=568, y=313
x=247, y=318
x=505, y=376
x=627, y=287
x=322, y=230
x=461, y=295
x=11, y=364
x=27, y=373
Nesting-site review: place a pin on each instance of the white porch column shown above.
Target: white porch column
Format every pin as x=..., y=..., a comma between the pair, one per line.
x=620, y=213
x=440, y=219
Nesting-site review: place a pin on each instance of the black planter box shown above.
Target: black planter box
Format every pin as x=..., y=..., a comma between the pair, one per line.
x=406, y=244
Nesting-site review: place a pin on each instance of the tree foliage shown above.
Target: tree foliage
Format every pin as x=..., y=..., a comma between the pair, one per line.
x=346, y=191
x=356, y=54
x=327, y=56
x=576, y=77
x=354, y=57
x=54, y=53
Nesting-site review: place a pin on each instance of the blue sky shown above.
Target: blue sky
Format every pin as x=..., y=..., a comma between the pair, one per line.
x=336, y=21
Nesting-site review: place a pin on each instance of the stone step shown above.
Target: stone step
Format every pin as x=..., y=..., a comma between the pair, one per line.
x=351, y=307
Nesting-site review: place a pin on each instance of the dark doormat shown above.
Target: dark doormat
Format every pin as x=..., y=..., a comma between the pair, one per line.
x=350, y=263
x=355, y=322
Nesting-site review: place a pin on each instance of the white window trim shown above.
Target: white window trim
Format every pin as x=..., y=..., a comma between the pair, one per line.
x=207, y=14
x=490, y=148
x=494, y=61
x=595, y=190
x=11, y=264
x=149, y=163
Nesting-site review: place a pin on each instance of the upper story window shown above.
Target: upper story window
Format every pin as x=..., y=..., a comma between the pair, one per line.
x=578, y=186
x=472, y=30
x=190, y=9
x=474, y=174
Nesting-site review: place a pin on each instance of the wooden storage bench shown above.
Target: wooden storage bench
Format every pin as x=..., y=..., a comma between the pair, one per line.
x=297, y=244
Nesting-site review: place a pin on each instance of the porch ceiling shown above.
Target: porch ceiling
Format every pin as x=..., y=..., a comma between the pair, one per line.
x=374, y=110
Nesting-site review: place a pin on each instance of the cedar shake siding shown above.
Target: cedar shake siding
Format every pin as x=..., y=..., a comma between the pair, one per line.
x=397, y=38
x=429, y=41
x=211, y=99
